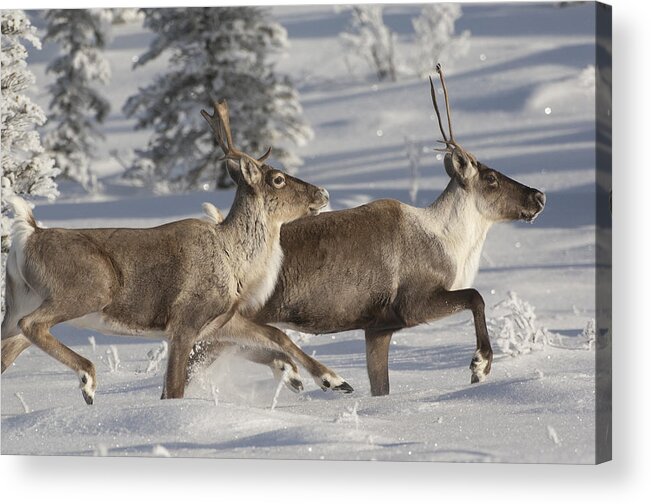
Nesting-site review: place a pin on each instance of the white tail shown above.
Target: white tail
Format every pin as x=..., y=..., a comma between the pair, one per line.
x=212, y=213
x=24, y=223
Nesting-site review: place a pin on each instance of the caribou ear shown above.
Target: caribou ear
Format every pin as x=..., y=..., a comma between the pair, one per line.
x=233, y=169
x=459, y=166
x=249, y=172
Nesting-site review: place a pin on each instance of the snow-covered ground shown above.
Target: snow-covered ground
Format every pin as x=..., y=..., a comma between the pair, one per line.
x=523, y=103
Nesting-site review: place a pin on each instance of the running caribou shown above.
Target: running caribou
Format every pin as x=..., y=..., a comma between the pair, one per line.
x=385, y=266
x=184, y=281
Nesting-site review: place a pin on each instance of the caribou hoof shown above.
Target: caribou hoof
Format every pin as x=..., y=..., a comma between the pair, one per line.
x=87, y=386
x=476, y=378
x=294, y=385
x=334, y=382
x=344, y=387
x=480, y=367
x=87, y=397
x=289, y=376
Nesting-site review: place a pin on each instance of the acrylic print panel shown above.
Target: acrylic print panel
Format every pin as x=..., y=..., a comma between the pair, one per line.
x=342, y=95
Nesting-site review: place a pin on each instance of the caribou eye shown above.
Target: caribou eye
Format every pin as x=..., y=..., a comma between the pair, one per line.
x=491, y=179
x=278, y=181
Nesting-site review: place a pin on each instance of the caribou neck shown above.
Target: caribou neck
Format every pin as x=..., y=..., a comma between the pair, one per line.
x=248, y=222
x=457, y=222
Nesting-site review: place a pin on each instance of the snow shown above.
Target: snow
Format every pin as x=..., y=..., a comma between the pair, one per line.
x=533, y=407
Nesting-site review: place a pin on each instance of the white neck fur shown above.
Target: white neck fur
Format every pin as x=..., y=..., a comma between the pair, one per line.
x=455, y=219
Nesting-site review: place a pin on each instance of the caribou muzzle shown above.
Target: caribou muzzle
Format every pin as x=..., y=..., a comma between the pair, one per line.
x=534, y=205
x=320, y=201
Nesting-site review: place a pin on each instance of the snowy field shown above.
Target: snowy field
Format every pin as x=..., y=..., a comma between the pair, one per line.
x=523, y=103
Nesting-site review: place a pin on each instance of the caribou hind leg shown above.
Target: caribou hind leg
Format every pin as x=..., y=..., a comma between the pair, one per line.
x=12, y=347
x=281, y=365
x=36, y=327
x=244, y=332
x=20, y=300
x=13, y=342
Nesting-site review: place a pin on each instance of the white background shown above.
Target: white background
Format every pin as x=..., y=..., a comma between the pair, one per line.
x=627, y=478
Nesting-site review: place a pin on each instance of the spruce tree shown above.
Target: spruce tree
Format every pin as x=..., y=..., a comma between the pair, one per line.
x=77, y=106
x=213, y=53
x=26, y=169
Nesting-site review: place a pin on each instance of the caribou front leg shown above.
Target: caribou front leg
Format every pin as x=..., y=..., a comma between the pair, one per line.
x=183, y=334
x=177, y=364
x=377, y=359
x=443, y=303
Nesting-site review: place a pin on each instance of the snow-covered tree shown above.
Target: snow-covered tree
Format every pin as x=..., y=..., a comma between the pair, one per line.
x=516, y=330
x=124, y=15
x=213, y=53
x=26, y=169
x=368, y=37
x=77, y=106
x=435, y=36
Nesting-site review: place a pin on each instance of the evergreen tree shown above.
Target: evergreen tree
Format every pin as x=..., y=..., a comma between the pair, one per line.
x=77, y=107
x=26, y=169
x=368, y=37
x=124, y=15
x=213, y=53
x=435, y=36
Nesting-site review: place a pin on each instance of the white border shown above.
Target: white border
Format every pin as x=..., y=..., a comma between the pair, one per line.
x=627, y=479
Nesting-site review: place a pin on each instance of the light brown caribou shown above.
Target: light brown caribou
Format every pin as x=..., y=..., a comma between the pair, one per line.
x=184, y=281
x=386, y=265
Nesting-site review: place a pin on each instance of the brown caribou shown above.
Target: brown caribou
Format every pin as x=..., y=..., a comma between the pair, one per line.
x=386, y=265
x=183, y=281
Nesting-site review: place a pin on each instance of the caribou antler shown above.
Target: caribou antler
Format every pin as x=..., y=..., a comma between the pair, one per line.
x=449, y=142
x=439, y=70
x=220, y=124
x=436, y=109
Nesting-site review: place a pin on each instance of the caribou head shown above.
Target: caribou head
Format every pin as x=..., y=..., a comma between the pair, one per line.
x=284, y=198
x=497, y=197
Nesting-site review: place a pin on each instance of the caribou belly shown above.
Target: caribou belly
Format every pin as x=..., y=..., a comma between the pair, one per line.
x=101, y=323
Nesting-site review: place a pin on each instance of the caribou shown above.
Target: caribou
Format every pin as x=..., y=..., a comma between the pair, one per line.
x=385, y=266
x=183, y=281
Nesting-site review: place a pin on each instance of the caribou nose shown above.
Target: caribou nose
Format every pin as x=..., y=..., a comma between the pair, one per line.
x=540, y=198
x=325, y=195
x=320, y=201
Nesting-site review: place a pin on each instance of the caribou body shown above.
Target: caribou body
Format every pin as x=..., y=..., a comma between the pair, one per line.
x=386, y=265
x=183, y=281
